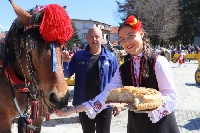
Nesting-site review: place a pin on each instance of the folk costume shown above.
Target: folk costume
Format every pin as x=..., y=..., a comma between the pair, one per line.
x=160, y=78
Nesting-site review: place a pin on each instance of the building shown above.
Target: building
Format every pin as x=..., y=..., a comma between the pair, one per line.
x=84, y=25
x=2, y=36
x=114, y=38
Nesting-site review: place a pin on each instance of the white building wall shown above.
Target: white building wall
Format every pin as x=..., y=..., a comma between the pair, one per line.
x=114, y=37
x=84, y=25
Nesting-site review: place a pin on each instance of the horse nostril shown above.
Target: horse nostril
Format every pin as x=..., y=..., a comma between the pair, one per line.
x=53, y=99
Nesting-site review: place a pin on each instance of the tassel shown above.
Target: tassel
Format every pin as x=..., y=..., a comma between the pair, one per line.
x=27, y=130
x=56, y=24
x=35, y=109
x=47, y=116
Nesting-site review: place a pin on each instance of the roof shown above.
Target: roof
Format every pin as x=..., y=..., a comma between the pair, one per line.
x=89, y=20
x=114, y=30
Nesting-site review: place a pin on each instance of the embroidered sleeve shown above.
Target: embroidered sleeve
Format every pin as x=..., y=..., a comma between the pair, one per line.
x=97, y=104
x=167, y=88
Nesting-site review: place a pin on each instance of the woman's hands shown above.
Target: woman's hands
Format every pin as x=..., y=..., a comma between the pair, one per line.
x=65, y=112
x=130, y=107
x=116, y=111
x=70, y=110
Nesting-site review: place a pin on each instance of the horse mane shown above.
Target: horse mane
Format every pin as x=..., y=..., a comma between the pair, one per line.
x=16, y=38
x=42, y=24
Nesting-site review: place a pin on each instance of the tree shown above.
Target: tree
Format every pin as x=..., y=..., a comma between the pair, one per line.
x=159, y=19
x=74, y=39
x=190, y=11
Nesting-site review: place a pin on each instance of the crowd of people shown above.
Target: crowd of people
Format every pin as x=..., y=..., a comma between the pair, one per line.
x=188, y=49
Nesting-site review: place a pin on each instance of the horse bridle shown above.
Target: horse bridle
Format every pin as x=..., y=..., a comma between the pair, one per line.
x=31, y=112
x=32, y=86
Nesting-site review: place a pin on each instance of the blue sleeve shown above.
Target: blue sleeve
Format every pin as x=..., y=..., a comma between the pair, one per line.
x=72, y=65
x=115, y=64
x=69, y=68
x=66, y=69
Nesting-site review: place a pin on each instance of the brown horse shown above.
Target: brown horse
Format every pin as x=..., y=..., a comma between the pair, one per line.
x=32, y=81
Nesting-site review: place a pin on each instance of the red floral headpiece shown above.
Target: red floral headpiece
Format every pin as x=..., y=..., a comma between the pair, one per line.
x=56, y=24
x=136, y=24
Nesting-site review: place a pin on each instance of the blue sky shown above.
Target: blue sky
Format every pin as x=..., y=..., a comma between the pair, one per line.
x=102, y=11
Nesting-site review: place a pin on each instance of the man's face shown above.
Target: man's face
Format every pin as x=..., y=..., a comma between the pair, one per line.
x=94, y=38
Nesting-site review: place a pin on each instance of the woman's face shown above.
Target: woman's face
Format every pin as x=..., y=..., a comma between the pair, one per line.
x=131, y=42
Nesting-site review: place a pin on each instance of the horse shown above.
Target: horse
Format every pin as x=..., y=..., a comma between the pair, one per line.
x=32, y=83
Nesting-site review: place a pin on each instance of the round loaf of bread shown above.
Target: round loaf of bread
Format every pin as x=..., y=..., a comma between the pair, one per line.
x=143, y=98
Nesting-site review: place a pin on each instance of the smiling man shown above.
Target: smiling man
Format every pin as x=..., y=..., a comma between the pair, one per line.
x=94, y=67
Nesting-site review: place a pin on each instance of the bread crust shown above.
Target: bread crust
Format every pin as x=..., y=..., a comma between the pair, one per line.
x=143, y=98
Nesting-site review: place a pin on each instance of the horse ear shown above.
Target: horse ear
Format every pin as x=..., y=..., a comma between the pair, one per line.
x=24, y=16
x=65, y=7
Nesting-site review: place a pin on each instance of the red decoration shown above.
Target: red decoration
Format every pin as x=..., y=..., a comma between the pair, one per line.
x=56, y=24
x=136, y=24
x=35, y=108
x=26, y=129
x=47, y=116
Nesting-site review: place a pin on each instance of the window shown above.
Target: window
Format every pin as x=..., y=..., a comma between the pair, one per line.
x=85, y=25
x=84, y=35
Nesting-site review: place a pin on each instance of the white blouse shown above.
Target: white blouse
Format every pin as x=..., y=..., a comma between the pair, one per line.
x=166, y=87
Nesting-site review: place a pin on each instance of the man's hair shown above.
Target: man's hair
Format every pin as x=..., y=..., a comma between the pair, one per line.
x=95, y=28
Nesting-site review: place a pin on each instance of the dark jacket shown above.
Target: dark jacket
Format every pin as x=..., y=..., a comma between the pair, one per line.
x=79, y=63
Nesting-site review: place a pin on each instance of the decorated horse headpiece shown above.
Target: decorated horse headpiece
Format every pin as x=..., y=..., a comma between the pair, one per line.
x=136, y=24
x=54, y=26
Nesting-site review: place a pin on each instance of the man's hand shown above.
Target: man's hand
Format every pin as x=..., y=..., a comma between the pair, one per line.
x=66, y=56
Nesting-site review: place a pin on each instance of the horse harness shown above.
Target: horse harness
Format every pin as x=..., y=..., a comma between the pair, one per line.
x=29, y=88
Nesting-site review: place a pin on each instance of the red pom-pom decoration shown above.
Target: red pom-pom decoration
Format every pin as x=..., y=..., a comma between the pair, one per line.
x=56, y=24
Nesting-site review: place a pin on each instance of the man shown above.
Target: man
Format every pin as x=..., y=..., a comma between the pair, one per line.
x=93, y=68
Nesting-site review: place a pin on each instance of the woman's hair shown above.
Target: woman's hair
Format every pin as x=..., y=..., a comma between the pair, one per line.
x=146, y=49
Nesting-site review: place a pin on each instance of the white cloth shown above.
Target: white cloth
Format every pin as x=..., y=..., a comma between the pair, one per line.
x=166, y=87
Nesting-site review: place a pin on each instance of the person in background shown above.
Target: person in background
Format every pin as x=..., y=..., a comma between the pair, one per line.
x=144, y=69
x=94, y=67
x=162, y=52
x=181, y=59
x=180, y=48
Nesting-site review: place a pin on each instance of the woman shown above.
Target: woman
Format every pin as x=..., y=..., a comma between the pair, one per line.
x=143, y=69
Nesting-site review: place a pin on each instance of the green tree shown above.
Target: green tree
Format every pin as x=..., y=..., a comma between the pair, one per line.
x=190, y=11
x=74, y=39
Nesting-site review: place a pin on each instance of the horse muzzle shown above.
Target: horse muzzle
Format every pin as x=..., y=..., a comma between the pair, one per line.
x=55, y=102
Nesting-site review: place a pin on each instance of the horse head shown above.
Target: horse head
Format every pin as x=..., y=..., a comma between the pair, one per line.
x=34, y=47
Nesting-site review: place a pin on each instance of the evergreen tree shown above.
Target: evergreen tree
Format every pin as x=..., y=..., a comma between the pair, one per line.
x=190, y=11
x=74, y=39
